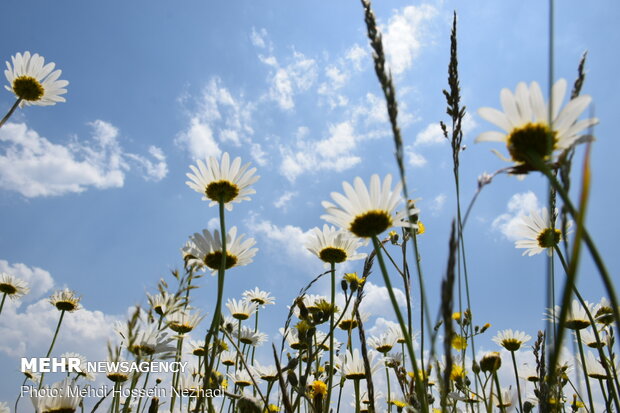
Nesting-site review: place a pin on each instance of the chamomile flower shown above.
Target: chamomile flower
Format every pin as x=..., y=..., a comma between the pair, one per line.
x=349, y=320
x=251, y=337
x=528, y=372
x=242, y=309
x=595, y=368
x=222, y=181
x=259, y=297
x=525, y=122
x=351, y=365
x=537, y=233
x=163, y=302
x=145, y=340
x=82, y=365
x=65, y=300
x=511, y=340
x=266, y=373
x=34, y=82
x=292, y=338
x=228, y=358
x=197, y=348
x=334, y=246
x=12, y=286
x=4, y=407
x=383, y=343
x=206, y=250
x=62, y=396
x=242, y=378
x=589, y=339
x=576, y=318
x=183, y=322
x=367, y=213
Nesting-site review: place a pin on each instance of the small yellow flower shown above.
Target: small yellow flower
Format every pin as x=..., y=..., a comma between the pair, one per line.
x=421, y=228
x=458, y=372
x=459, y=342
x=318, y=389
x=456, y=316
x=273, y=408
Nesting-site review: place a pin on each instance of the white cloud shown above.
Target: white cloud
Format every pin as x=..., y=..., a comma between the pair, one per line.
x=519, y=205
x=39, y=281
x=334, y=153
x=258, y=38
x=153, y=170
x=376, y=301
x=217, y=117
x=289, y=239
x=284, y=199
x=27, y=330
x=34, y=166
x=405, y=35
x=298, y=76
x=414, y=159
x=438, y=203
x=431, y=135
x=356, y=55
x=258, y=154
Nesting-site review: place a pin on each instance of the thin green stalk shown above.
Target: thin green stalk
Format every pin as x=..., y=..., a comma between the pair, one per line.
x=389, y=394
x=2, y=304
x=62, y=314
x=331, y=335
x=419, y=385
x=215, y=324
x=255, y=330
x=19, y=395
x=10, y=112
x=585, y=370
x=499, y=393
x=607, y=402
x=356, y=384
x=176, y=376
x=514, y=364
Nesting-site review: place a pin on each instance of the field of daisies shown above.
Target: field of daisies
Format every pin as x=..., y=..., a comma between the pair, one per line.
x=323, y=358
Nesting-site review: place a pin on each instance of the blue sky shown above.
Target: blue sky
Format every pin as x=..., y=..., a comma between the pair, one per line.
x=92, y=190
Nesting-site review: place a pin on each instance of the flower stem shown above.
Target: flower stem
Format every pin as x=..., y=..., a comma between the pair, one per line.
x=419, y=386
x=514, y=364
x=585, y=369
x=62, y=314
x=389, y=394
x=356, y=384
x=2, y=304
x=331, y=335
x=10, y=112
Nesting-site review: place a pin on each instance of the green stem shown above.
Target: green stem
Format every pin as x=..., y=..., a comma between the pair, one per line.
x=499, y=393
x=175, y=377
x=2, y=304
x=19, y=396
x=419, y=386
x=215, y=324
x=389, y=394
x=585, y=369
x=356, y=384
x=62, y=314
x=331, y=335
x=514, y=364
x=10, y=112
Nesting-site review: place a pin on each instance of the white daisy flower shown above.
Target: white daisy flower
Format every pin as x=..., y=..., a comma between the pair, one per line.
x=511, y=340
x=223, y=181
x=228, y=358
x=90, y=376
x=33, y=81
x=183, y=322
x=589, y=339
x=384, y=342
x=4, y=407
x=351, y=365
x=334, y=246
x=65, y=300
x=251, y=337
x=259, y=297
x=367, y=213
x=537, y=233
x=242, y=378
x=528, y=373
x=349, y=320
x=206, y=250
x=145, y=340
x=242, y=309
x=595, y=368
x=62, y=396
x=266, y=373
x=576, y=317
x=525, y=122
x=292, y=338
x=12, y=286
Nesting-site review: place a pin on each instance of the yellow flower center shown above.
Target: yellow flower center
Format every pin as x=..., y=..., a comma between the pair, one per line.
x=243, y=383
x=333, y=255
x=28, y=88
x=384, y=348
x=213, y=260
x=60, y=410
x=356, y=376
x=241, y=316
x=142, y=349
x=577, y=324
x=224, y=191
x=348, y=324
x=511, y=344
x=118, y=377
x=7, y=289
x=65, y=305
x=549, y=238
x=370, y=224
x=181, y=328
x=531, y=139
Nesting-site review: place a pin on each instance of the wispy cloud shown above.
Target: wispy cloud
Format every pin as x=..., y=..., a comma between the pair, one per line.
x=283, y=201
x=519, y=205
x=34, y=166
